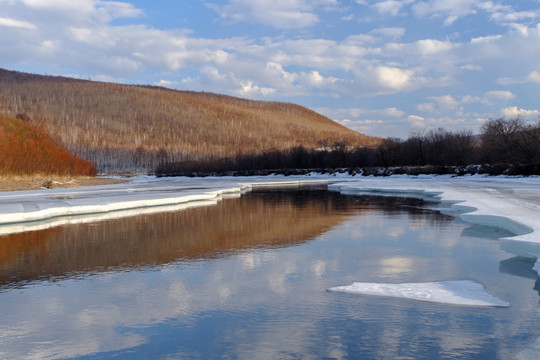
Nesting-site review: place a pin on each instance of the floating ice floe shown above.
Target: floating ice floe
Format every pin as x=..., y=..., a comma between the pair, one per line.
x=462, y=292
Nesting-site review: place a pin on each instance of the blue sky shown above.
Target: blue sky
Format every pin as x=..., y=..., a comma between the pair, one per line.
x=383, y=68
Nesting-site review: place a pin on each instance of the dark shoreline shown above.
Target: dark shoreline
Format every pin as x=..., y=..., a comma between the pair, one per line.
x=491, y=170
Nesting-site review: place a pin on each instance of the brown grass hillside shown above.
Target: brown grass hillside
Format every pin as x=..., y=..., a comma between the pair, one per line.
x=125, y=126
x=26, y=149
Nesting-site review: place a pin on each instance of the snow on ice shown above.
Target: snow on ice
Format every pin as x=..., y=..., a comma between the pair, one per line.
x=464, y=292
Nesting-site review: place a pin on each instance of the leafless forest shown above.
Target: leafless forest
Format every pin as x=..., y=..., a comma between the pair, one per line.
x=127, y=127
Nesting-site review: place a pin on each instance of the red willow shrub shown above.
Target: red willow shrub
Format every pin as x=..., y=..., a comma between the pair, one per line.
x=26, y=149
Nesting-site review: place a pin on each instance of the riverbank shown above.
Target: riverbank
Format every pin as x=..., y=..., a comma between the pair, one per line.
x=34, y=182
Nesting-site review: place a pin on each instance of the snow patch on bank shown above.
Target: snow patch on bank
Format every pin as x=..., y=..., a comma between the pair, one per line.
x=463, y=292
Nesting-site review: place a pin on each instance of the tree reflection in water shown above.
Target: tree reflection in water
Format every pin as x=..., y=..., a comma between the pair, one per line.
x=266, y=218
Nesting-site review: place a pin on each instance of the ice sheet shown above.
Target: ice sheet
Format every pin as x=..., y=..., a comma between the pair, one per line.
x=509, y=203
x=39, y=209
x=463, y=292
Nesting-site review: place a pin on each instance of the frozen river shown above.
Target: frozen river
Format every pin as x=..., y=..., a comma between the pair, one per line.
x=173, y=268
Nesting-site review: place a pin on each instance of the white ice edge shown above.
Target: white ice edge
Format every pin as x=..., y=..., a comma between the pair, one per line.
x=476, y=201
x=461, y=292
x=71, y=206
x=73, y=219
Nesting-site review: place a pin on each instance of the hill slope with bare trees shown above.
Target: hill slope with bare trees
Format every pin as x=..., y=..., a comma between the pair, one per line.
x=127, y=127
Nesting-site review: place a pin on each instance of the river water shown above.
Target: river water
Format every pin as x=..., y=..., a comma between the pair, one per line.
x=247, y=279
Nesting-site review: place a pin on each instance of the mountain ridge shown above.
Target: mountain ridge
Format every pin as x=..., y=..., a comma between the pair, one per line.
x=127, y=127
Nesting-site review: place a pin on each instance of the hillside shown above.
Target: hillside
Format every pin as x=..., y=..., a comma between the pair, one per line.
x=127, y=127
x=26, y=149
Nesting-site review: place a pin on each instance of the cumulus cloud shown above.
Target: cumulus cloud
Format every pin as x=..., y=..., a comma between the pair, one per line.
x=254, y=91
x=392, y=77
x=514, y=111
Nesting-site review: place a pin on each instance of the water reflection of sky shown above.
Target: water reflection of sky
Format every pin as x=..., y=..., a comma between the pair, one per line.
x=266, y=300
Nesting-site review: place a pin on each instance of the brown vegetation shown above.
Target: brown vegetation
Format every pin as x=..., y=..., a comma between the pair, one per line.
x=40, y=181
x=27, y=149
x=123, y=127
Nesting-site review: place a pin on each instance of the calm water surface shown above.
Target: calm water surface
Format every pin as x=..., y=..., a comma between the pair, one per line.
x=247, y=279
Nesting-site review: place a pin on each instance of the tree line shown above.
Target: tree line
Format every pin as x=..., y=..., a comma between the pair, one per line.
x=504, y=146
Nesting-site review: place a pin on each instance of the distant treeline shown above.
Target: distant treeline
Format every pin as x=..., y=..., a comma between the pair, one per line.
x=503, y=147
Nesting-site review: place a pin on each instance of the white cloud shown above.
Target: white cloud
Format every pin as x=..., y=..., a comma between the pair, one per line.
x=359, y=113
x=391, y=7
x=315, y=79
x=393, y=32
x=19, y=24
x=416, y=121
x=254, y=91
x=281, y=14
x=455, y=9
x=394, y=112
x=532, y=77
x=427, y=107
x=512, y=17
x=471, y=67
x=513, y=111
x=441, y=104
x=166, y=83
x=392, y=77
x=86, y=10
x=501, y=94
x=447, y=103
x=486, y=39
x=430, y=46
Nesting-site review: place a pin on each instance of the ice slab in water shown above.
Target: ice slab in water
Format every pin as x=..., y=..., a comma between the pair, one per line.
x=462, y=292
